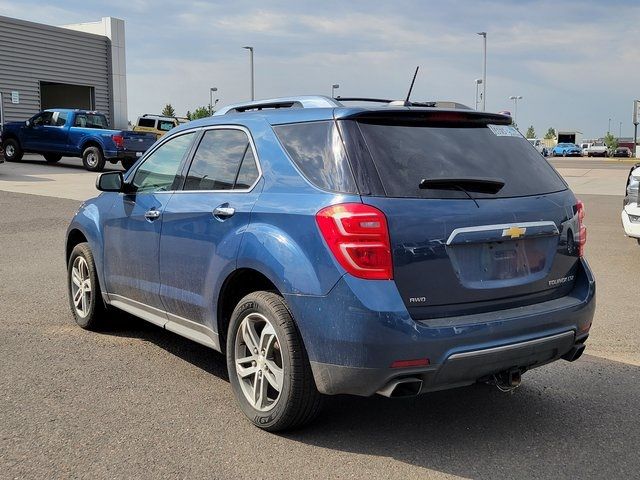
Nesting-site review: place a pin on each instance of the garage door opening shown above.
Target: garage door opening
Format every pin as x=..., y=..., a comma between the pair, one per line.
x=63, y=95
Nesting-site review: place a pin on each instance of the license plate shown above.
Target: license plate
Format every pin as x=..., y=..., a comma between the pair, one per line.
x=138, y=154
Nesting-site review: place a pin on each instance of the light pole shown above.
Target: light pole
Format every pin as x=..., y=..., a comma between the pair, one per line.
x=333, y=89
x=253, y=92
x=620, y=131
x=211, y=90
x=478, y=83
x=636, y=111
x=609, y=127
x=515, y=99
x=484, y=70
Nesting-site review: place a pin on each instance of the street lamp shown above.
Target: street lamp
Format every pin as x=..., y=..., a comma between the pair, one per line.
x=484, y=71
x=211, y=90
x=609, y=127
x=620, y=131
x=253, y=92
x=333, y=89
x=515, y=99
x=478, y=83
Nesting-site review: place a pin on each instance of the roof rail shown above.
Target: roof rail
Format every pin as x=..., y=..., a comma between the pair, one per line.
x=303, y=101
x=402, y=103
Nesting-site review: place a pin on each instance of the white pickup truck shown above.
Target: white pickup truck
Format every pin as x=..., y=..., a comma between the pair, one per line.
x=597, y=149
x=631, y=205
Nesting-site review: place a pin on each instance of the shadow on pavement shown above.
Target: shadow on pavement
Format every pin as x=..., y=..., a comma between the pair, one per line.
x=564, y=421
x=67, y=163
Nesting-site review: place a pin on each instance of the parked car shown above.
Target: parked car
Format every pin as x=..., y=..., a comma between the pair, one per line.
x=328, y=249
x=622, y=152
x=631, y=204
x=566, y=150
x=597, y=149
x=584, y=146
x=157, y=124
x=74, y=133
x=539, y=145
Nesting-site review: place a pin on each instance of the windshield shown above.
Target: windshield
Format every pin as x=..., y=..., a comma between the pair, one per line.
x=405, y=155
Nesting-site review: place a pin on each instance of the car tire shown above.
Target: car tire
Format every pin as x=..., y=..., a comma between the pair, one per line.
x=262, y=319
x=127, y=163
x=85, y=297
x=52, y=157
x=93, y=159
x=564, y=154
x=553, y=154
x=12, y=150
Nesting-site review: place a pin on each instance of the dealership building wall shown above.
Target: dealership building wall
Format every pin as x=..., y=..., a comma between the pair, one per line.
x=77, y=66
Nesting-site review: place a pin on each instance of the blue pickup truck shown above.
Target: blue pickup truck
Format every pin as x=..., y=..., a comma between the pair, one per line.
x=85, y=134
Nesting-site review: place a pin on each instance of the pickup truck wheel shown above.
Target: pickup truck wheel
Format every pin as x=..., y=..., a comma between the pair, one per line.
x=268, y=366
x=52, y=157
x=12, y=150
x=127, y=163
x=93, y=160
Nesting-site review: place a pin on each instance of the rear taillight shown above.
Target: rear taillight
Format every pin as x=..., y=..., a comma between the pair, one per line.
x=118, y=140
x=358, y=237
x=582, y=236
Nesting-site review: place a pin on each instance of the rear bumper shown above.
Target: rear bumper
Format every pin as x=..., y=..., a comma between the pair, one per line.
x=352, y=340
x=122, y=154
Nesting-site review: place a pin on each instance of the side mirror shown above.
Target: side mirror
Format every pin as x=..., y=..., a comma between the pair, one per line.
x=110, y=182
x=28, y=123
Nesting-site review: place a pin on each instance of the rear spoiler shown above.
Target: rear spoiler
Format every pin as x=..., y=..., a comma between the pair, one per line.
x=410, y=115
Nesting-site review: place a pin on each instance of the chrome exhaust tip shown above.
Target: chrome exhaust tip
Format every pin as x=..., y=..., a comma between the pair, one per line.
x=401, y=387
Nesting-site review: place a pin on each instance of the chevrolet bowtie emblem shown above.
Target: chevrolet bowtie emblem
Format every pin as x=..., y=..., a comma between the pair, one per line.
x=513, y=232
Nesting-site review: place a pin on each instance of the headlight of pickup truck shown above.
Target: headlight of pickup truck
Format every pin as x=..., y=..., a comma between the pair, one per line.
x=633, y=186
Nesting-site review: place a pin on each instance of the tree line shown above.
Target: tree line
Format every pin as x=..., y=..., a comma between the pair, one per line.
x=200, y=112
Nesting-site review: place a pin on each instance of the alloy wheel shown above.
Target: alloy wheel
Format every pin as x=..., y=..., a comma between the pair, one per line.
x=258, y=362
x=10, y=150
x=81, y=286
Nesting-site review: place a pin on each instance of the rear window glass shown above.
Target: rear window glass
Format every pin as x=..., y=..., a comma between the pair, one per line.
x=165, y=125
x=146, y=122
x=404, y=155
x=317, y=150
x=91, y=120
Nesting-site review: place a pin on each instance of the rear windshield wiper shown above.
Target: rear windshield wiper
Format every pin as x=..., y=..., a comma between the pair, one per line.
x=473, y=184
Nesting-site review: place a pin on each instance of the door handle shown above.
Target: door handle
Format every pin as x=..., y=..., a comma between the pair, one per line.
x=223, y=212
x=151, y=214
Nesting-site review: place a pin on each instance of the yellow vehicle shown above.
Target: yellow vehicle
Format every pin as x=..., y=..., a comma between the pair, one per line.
x=157, y=124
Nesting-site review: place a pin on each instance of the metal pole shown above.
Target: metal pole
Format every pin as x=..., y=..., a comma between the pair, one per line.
x=210, y=101
x=609, y=127
x=253, y=92
x=333, y=88
x=635, y=139
x=477, y=95
x=620, y=131
x=484, y=70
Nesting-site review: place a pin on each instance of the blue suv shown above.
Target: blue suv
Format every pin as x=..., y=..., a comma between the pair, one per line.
x=327, y=249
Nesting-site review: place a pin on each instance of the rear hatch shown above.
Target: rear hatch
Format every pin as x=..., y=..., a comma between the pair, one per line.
x=478, y=219
x=137, y=141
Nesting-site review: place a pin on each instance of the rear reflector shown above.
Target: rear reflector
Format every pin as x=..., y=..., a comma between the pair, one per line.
x=358, y=237
x=420, y=362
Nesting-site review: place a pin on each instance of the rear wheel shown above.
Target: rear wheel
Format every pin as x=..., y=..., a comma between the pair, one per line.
x=52, y=157
x=93, y=159
x=12, y=150
x=85, y=298
x=268, y=366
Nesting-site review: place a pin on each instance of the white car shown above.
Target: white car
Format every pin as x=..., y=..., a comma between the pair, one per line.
x=631, y=208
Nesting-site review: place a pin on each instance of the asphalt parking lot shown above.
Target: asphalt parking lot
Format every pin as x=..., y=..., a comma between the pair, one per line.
x=136, y=401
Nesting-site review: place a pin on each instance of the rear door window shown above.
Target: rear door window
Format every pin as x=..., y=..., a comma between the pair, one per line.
x=406, y=154
x=224, y=160
x=317, y=150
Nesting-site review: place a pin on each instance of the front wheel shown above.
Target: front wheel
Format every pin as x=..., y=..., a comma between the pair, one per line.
x=12, y=150
x=85, y=298
x=93, y=159
x=52, y=157
x=268, y=366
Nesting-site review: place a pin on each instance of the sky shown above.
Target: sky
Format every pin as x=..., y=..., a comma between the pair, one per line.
x=575, y=63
